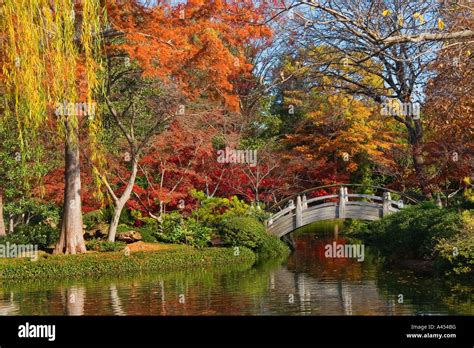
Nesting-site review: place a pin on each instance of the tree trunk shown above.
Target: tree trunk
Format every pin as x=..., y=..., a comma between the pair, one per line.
x=11, y=224
x=119, y=203
x=418, y=163
x=71, y=240
x=3, y=231
x=118, y=207
x=415, y=135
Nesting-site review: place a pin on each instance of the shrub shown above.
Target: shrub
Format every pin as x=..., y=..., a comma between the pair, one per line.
x=35, y=212
x=414, y=231
x=244, y=231
x=104, y=216
x=148, y=233
x=425, y=232
x=215, y=211
x=94, y=217
x=41, y=235
x=189, y=231
x=272, y=247
x=250, y=233
x=105, y=246
x=196, y=234
x=457, y=252
x=353, y=226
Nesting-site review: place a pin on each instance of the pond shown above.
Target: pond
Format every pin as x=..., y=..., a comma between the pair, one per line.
x=308, y=283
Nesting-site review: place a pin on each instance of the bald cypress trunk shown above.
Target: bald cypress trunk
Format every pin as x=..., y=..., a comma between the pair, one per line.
x=71, y=240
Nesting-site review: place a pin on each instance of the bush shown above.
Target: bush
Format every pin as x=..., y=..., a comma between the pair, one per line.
x=196, y=234
x=105, y=246
x=41, y=235
x=149, y=228
x=36, y=212
x=353, y=226
x=215, y=211
x=271, y=248
x=425, y=232
x=457, y=252
x=414, y=231
x=148, y=233
x=244, y=231
x=250, y=233
x=104, y=216
x=191, y=232
x=95, y=217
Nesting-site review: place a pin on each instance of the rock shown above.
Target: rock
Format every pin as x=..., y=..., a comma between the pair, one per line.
x=218, y=242
x=129, y=237
x=99, y=231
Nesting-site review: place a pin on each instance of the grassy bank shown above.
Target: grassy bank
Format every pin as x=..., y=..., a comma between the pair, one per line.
x=441, y=237
x=222, y=222
x=96, y=264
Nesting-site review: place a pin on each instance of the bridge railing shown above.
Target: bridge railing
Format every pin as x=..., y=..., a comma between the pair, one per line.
x=334, y=190
x=301, y=208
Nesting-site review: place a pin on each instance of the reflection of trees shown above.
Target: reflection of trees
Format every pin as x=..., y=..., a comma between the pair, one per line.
x=116, y=302
x=32, y=298
x=163, y=299
x=346, y=297
x=451, y=296
x=331, y=285
x=311, y=259
x=317, y=285
x=8, y=306
x=75, y=297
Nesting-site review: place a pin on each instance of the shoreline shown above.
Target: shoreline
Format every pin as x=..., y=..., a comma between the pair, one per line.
x=113, y=263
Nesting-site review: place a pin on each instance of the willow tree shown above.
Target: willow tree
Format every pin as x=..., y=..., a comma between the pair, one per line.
x=50, y=66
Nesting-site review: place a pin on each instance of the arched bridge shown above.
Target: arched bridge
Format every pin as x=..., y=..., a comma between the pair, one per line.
x=299, y=210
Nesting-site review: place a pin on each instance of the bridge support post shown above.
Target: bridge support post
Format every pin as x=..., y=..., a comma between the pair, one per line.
x=386, y=203
x=299, y=212
x=341, y=213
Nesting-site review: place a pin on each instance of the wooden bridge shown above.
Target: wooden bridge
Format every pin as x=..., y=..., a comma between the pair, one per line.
x=297, y=211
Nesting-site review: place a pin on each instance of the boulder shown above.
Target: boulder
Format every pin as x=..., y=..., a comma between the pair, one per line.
x=218, y=242
x=99, y=231
x=129, y=237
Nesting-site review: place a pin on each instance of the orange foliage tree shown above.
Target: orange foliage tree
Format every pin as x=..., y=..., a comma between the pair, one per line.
x=450, y=110
x=195, y=48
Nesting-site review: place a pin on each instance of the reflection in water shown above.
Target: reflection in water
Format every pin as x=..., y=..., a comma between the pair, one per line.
x=116, y=303
x=7, y=305
x=307, y=283
x=75, y=300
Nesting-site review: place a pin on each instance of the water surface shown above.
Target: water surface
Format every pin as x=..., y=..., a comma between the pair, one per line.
x=308, y=283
